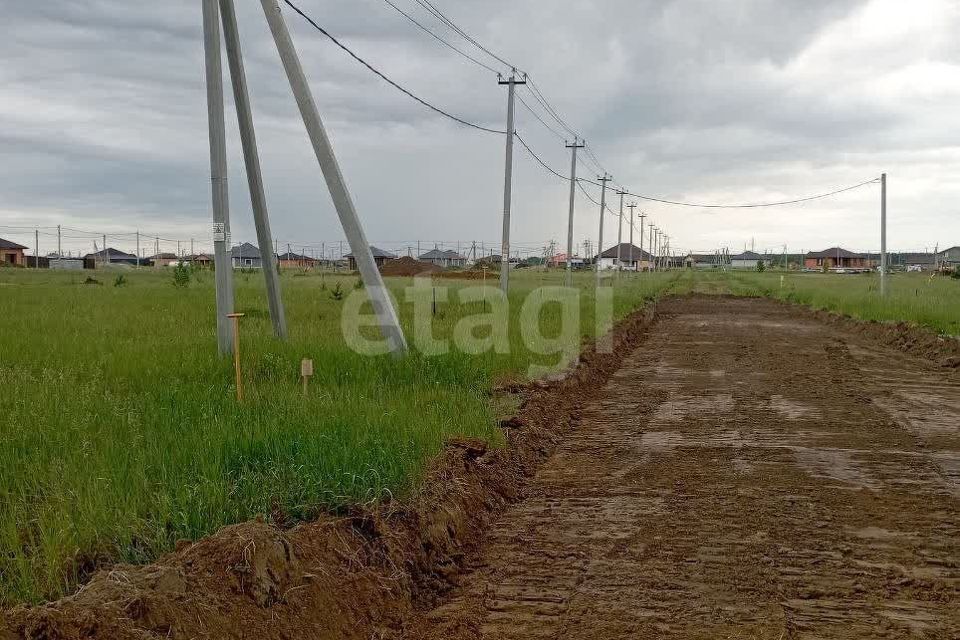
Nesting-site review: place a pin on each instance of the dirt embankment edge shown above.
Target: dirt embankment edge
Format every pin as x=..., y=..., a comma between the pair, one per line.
x=338, y=577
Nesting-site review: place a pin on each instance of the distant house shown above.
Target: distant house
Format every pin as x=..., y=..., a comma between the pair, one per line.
x=112, y=256
x=292, y=260
x=444, y=259
x=748, y=260
x=640, y=258
x=915, y=261
x=12, y=253
x=836, y=258
x=950, y=257
x=200, y=260
x=164, y=259
x=559, y=261
x=704, y=260
x=379, y=257
x=246, y=256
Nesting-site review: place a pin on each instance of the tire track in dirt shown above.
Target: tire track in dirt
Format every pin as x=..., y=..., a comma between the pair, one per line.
x=749, y=472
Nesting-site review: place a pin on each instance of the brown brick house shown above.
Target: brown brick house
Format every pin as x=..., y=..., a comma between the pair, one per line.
x=12, y=253
x=836, y=258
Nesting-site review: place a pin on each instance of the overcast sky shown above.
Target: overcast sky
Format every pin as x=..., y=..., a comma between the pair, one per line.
x=103, y=120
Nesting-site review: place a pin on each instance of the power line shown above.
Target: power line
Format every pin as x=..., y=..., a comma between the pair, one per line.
x=541, y=120
x=538, y=159
x=535, y=91
x=316, y=26
x=429, y=6
x=438, y=38
x=753, y=205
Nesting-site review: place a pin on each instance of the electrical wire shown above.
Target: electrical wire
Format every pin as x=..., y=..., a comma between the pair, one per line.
x=377, y=72
x=431, y=8
x=439, y=39
x=535, y=91
x=538, y=159
x=753, y=205
x=559, y=135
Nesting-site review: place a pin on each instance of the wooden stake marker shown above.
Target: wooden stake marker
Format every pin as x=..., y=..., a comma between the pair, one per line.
x=306, y=371
x=236, y=351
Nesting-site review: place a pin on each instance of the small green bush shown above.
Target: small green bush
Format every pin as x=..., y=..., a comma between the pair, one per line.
x=337, y=292
x=761, y=267
x=120, y=280
x=181, y=275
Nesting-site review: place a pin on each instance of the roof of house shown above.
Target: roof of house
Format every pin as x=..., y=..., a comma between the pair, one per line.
x=439, y=254
x=164, y=256
x=917, y=258
x=377, y=253
x=946, y=251
x=111, y=254
x=291, y=256
x=199, y=256
x=7, y=244
x=747, y=255
x=245, y=250
x=638, y=253
x=834, y=252
x=704, y=257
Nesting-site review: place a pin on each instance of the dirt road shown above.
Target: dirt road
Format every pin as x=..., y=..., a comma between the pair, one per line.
x=748, y=473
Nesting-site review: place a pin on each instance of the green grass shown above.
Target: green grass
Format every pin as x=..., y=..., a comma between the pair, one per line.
x=931, y=302
x=120, y=432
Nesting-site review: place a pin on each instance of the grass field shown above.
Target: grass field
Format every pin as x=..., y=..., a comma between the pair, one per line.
x=928, y=301
x=121, y=433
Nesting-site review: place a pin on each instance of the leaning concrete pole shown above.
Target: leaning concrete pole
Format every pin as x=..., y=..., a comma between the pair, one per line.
x=248, y=139
x=218, y=176
x=883, y=234
x=379, y=296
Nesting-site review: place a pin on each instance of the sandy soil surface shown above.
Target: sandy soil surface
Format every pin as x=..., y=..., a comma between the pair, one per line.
x=749, y=472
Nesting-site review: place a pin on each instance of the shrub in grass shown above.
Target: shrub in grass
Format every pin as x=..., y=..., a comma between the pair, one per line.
x=120, y=280
x=337, y=292
x=181, y=275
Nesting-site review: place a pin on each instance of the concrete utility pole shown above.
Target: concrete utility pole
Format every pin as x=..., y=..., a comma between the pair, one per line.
x=604, y=179
x=60, y=249
x=379, y=296
x=218, y=174
x=251, y=158
x=631, y=206
x=883, y=234
x=653, y=248
x=36, y=248
x=620, y=192
x=642, y=216
x=138, y=247
x=573, y=189
x=511, y=83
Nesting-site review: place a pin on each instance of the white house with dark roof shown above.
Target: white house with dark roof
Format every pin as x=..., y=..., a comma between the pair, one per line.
x=441, y=258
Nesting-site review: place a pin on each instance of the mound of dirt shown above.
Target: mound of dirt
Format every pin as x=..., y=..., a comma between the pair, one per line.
x=407, y=266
